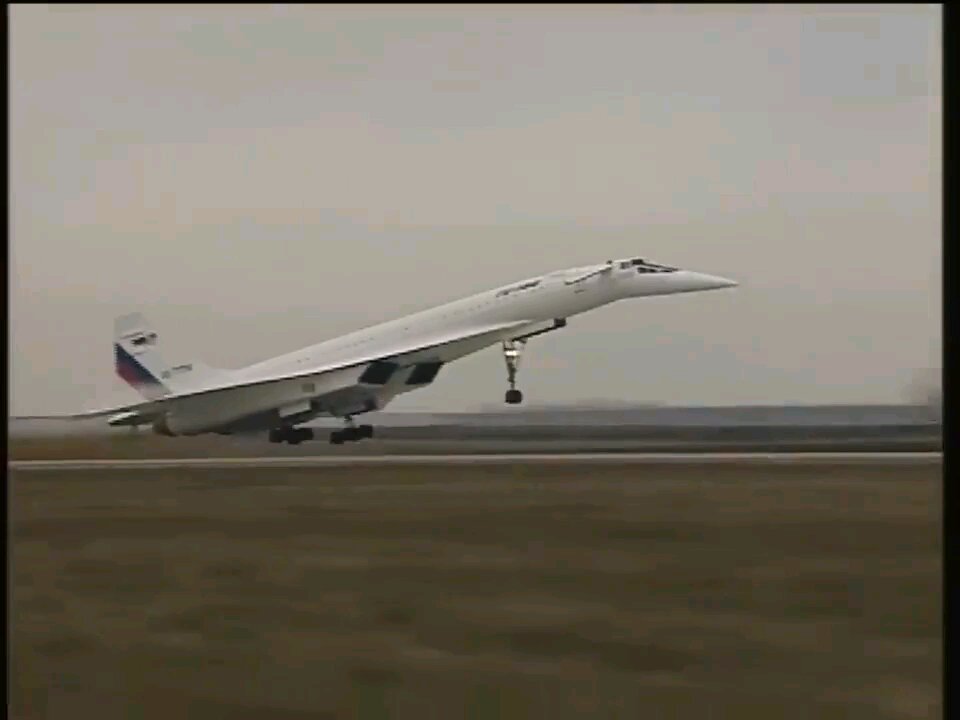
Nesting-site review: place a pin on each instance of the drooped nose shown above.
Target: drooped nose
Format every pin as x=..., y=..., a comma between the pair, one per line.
x=702, y=281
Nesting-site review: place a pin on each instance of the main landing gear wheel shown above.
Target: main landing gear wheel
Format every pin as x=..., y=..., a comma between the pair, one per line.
x=299, y=435
x=512, y=350
x=351, y=434
x=293, y=436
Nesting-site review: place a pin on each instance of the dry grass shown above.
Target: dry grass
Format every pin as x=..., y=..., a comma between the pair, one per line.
x=482, y=592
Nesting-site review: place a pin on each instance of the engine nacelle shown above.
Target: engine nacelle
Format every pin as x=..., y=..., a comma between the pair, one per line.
x=172, y=426
x=161, y=427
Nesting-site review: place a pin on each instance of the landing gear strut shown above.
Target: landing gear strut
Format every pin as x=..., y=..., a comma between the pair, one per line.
x=512, y=350
x=291, y=435
x=351, y=433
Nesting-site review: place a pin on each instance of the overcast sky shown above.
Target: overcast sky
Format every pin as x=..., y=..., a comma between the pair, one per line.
x=259, y=178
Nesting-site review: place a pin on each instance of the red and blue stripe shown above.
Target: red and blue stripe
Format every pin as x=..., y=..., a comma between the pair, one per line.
x=133, y=373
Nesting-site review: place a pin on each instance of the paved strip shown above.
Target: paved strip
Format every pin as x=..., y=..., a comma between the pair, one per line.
x=492, y=459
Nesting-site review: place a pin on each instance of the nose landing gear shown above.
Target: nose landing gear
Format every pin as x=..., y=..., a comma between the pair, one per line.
x=512, y=350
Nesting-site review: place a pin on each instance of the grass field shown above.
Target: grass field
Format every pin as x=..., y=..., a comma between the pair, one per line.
x=532, y=591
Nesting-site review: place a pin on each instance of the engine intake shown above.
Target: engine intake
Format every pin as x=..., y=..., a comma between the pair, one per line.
x=161, y=427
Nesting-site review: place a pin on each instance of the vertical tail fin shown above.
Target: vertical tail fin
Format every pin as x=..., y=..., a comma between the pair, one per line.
x=138, y=362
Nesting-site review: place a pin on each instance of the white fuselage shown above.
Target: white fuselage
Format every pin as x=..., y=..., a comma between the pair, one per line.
x=552, y=298
x=445, y=333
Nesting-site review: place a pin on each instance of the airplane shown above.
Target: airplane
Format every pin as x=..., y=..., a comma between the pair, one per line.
x=365, y=370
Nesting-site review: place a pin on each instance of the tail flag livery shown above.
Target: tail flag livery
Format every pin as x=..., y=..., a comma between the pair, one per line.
x=138, y=362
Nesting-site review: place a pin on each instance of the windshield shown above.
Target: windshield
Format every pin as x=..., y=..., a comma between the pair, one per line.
x=645, y=266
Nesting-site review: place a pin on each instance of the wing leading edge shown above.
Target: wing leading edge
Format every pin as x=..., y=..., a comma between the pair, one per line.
x=396, y=355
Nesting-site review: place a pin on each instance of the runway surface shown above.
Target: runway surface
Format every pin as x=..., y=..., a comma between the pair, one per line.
x=491, y=459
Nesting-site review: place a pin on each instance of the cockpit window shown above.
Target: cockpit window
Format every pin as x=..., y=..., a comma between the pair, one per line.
x=643, y=266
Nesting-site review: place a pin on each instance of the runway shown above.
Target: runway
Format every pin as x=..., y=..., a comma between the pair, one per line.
x=880, y=458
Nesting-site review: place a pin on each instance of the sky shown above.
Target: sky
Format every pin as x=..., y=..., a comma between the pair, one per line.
x=259, y=178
